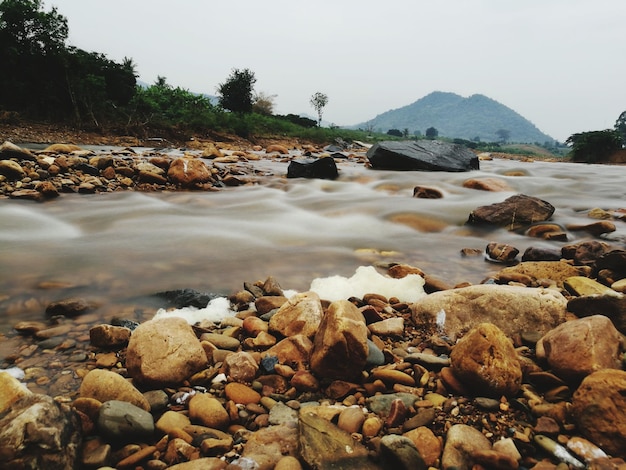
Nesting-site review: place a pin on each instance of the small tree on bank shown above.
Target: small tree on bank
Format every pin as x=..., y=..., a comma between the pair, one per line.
x=594, y=146
x=319, y=101
x=236, y=93
x=432, y=133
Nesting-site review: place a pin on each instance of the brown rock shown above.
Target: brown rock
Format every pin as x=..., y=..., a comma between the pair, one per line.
x=513, y=309
x=557, y=271
x=71, y=307
x=62, y=148
x=423, y=192
x=12, y=170
x=486, y=184
x=164, y=351
x=267, y=446
x=513, y=213
x=611, y=306
x=599, y=408
x=428, y=445
x=241, y=367
x=304, y=381
x=208, y=411
x=301, y=314
x=268, y=303
x=501, y=252
x=596, y=228
x=486, y=361
x=277, y=148
x=547, y=231
x=388, y=327
x=104, y=385
x=11, y=390
x=188, y=173
x=241, y=393
x=340, y=346
x=579, y=347
x=351, y=419
x=109, y=336
x=585, y=253
x=294, y=351
x=461, y=442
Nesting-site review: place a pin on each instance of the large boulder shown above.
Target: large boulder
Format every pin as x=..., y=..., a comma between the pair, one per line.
x=486, y=362
x=599, y=407
x=340, y=347
x=189, y=173
x=301, y=314
x=423, y=155
x=164, y=351
x=513, y=309
x=577, y=348
x=513, y=213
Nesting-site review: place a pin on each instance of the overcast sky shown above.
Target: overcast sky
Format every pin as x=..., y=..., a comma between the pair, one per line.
x=559, y=63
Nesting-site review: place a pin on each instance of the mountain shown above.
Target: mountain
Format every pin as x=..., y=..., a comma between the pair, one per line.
x=457, y=117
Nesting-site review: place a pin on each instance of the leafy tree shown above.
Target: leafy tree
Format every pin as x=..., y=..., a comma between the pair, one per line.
x=504, y=134
x=594, y=146
x=432, y=133
x=395, y=132
x=620, y=127
x=235, y=94
x=319, y=101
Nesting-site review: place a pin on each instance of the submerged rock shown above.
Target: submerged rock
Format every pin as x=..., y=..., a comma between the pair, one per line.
x=424, y=155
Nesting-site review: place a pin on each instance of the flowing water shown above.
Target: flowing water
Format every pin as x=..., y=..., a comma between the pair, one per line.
x=125, y=245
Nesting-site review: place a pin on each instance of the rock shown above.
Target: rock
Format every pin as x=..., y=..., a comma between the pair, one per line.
x=203, y=463
x=277, y=148
x=121, y=421
x=323, y=168
x=485, y=361
x=428, y=445
x=423, y=192
x=294, y=351
x=486, y=184
x=62, y=148
x=578, y=348
x=267, y=446
x=611, y=306
x=288, y=463
x=324, y=446
x=11, y=390
x=38, y=432
x=188, y=173
x=375, y=357
x=461, y=442
x=12, y=170
x=351, y=419
x=71, y=307
x=425, y=155
x=537, y=272
x=614, y=260
x=599, y=408
x=208, y=411
x=501, y=253
x=596, y=228
x=304, y=381
x=241, y=367
x=581, y=285
x=585, y=253
x=399, y=452
x=171, y=420
x=541, y=254
x=221, y=341
x=301, y=314
x=181, y=298
x=104, y=385
x=241, y=393
x=381, y=404
x=10, y=150
x=268, y=303
x=512, y=309
x=388, y=327
x=109, y=336
x=340, y=345
x=547, y=231
x=513, y=213
x=164, y=351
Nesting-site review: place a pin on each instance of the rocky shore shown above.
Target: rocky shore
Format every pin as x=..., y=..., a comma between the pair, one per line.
x=525, y=370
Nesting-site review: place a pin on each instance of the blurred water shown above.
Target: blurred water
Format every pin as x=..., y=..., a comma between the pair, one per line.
x=117, y=246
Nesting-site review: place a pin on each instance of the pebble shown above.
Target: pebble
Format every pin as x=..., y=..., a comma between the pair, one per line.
x=241, y=393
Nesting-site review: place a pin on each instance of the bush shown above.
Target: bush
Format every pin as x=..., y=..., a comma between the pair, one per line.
x=594, y=146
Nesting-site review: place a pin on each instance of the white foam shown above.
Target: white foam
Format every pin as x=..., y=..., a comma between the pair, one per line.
x=215, y=311
x=366, y=280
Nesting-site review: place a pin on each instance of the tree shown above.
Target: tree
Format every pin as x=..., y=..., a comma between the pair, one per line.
x=319, y=101
x=594, y=146
x=236, y=93
x=263, y=103
x=432, y=133
x=620, y=127
x=504, y=134
x=395, y=132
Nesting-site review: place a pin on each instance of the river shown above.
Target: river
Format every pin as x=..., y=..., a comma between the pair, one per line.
x=114, y=248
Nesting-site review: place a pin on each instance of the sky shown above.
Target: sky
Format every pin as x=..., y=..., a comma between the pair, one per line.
x=561, y=64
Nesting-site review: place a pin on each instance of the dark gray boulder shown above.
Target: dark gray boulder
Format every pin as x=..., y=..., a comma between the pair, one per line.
x=423, y=155
x=323, y=168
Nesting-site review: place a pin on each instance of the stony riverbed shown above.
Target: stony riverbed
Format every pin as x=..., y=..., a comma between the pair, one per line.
x=524, y=370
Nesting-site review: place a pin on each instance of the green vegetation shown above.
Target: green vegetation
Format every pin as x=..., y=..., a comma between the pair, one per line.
x=594, y=146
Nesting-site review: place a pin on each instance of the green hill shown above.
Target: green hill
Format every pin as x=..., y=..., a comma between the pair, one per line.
x=457, y=117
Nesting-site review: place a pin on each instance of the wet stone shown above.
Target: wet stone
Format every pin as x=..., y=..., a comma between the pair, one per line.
x=122, y=421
